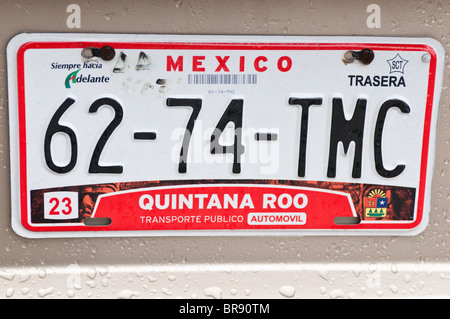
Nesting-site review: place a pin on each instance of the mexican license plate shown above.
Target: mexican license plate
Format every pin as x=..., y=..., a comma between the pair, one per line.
x=146, y=135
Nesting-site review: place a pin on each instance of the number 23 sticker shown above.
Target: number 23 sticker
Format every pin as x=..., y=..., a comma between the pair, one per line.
x=61, y=205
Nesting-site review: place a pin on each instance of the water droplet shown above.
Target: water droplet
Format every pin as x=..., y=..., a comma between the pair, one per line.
x=172, y=277
x=42, y=273
x=166, y=292
x=214, y=292
x=92, y=272
x=394, y=268
x=351, y=295
x=393, y=288
x=287, y=291
x=337, y=293
x=25, y=291
x=9, y=293
x=102, y=270
x=178, y=3
x=109, y=16
x=127, y=294
x=7, y=275
x=407, y=278
x=45, y=292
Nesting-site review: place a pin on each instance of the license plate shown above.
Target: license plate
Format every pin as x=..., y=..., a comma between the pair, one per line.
x=150, y=135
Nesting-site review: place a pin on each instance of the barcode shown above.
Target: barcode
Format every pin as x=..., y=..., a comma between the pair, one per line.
x=222, y=79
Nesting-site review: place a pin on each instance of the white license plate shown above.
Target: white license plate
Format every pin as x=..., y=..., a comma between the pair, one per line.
x=221, y=135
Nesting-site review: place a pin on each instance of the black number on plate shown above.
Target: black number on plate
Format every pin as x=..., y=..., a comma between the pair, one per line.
x=196, y=105
x=342, y=131
x=94, y=167
x=53, y=128
x=233, y=114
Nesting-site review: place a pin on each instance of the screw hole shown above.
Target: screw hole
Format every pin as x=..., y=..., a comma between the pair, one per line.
x=87, y=53
x=103, y=221
x=365, y=56
x=107, y=53
x=348, y=57
x=347, y=220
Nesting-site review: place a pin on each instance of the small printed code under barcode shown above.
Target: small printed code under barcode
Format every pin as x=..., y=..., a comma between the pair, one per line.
x=222, y=78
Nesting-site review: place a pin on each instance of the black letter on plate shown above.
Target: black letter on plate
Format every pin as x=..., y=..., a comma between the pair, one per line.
x=305, y=104
x=378, y=137
x=347, y=131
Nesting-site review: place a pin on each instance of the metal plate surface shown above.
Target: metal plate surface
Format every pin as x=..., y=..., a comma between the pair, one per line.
x=221, y=135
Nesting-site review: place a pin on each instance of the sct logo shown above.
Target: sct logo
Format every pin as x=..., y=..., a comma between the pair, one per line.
x=397, y=64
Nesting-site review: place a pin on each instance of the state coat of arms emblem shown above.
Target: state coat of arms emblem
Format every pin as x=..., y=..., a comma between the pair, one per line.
x=375, y=204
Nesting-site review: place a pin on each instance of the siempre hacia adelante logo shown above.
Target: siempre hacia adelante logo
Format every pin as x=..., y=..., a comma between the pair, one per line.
x=79, y=75
x=72, y=77
x=75, y=77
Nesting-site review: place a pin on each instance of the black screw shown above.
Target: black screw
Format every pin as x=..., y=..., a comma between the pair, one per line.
x=107, y=53
x=366, y=56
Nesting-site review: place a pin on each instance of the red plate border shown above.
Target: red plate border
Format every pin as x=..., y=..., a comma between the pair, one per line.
x=224, y=46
